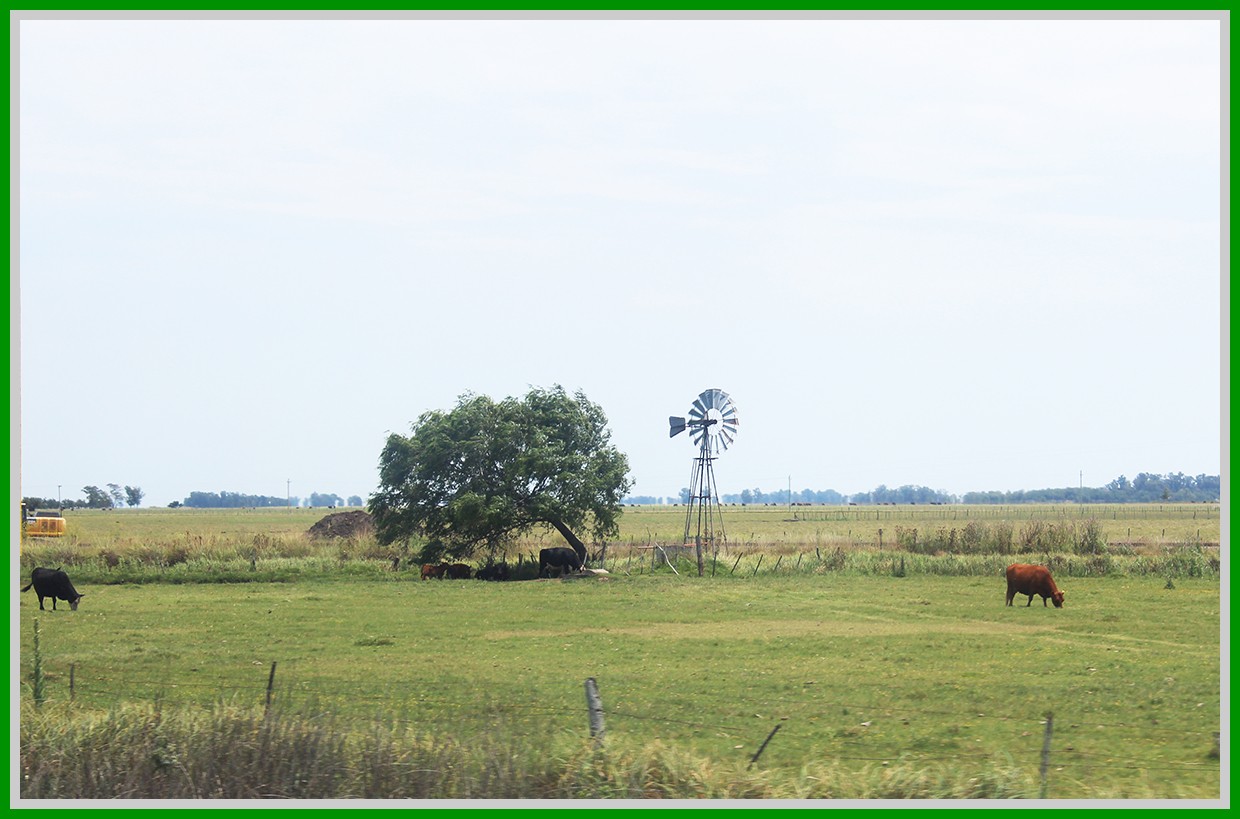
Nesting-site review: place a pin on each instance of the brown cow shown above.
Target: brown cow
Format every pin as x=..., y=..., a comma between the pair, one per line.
x=1025, y=578
x=457, y=571
x=431, y=570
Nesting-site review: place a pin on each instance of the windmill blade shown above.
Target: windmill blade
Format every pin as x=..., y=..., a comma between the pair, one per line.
x=714, y=399
x=727, y=437
x=676, y=426
x=698, y=410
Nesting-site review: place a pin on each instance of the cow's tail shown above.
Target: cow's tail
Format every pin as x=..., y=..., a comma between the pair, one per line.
x=27, y=586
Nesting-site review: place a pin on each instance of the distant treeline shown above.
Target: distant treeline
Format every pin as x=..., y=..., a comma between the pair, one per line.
x=114, y=498
x=234, y=500
x=1145, y=488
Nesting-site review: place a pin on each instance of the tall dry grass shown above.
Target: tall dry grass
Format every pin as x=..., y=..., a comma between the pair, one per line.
x=141, y=752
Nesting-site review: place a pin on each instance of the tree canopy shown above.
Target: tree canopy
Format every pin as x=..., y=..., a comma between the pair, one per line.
x=478, y=475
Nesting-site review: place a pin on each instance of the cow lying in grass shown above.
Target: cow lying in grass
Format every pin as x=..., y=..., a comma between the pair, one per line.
x=496, y=571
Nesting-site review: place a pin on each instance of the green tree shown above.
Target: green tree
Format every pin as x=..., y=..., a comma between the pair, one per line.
x=485, y=472
x=134, y=495
x=96, y=498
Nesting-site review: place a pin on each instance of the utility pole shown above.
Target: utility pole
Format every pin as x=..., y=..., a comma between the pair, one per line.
x=59, y=505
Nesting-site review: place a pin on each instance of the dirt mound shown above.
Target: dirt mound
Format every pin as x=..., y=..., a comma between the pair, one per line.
x=343, y=524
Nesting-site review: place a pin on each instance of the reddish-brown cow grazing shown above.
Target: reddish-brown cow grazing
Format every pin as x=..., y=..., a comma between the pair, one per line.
x=431, y=570
x=1025, y=578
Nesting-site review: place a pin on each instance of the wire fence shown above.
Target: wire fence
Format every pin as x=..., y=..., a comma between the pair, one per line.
x=819, y=719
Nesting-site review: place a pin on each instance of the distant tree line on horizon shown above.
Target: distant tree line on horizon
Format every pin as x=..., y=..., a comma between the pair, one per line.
x=1145, y=488
x=113, y=497
x=236, y=500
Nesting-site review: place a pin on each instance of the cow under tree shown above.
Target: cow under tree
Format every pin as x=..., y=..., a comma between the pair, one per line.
x=493, y=571
x=1030, y=579
x=561, y=557
x=55, y=584
x=456, y=571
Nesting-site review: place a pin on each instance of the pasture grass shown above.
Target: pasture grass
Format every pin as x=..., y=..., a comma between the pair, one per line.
x=891, y=683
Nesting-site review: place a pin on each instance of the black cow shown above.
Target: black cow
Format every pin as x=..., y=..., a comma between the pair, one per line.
x=496, y=571
x=55, y=584
x=558, y=557
x=457, y=571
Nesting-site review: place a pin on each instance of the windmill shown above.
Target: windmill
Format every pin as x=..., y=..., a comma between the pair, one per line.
x=712, y=423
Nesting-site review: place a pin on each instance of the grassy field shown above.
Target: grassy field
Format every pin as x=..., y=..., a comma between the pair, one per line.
x=869, y=676
x=916, y=670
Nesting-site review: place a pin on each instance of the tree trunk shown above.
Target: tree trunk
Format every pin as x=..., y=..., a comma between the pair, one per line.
x=573, y=540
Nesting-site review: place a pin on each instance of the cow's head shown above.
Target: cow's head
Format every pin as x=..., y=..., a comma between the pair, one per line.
x=1057, y=599
x=73, y=603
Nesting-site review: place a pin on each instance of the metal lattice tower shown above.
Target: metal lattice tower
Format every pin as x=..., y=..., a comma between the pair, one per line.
x=713, y=424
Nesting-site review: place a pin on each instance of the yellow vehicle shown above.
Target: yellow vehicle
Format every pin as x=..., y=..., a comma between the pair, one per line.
x=43, y=523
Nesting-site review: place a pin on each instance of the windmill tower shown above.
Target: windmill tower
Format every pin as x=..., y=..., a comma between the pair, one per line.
x=712, y=424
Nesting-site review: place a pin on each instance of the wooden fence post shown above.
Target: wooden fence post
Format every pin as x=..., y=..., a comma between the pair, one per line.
x=1046, y=752
x=271, y=679
x=755, y=568
x=594, y=707
x=737, y=563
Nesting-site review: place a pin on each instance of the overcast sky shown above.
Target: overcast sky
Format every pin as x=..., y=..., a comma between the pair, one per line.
x=964, y=254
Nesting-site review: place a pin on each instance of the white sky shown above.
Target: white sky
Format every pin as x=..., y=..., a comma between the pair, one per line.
x=968, y=255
